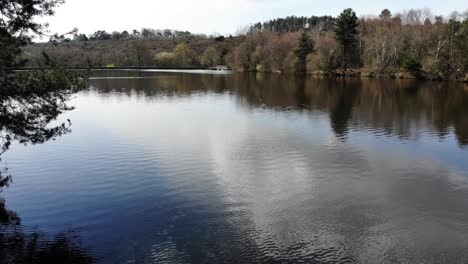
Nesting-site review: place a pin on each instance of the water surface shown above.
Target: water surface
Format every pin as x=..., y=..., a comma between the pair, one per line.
x=193, y=167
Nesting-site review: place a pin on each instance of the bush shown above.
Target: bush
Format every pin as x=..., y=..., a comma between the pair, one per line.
x=412, y=65
x=165, y=59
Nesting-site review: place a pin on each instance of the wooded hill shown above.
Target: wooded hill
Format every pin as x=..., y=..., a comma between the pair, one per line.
x=160, y=52
x=410, y=44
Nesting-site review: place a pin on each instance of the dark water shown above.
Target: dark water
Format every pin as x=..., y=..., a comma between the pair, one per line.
x=167, y=167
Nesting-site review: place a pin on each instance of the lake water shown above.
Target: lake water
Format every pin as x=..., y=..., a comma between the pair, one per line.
x=196, y=167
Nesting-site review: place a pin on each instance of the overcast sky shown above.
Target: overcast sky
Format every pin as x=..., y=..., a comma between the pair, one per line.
x=215, y=16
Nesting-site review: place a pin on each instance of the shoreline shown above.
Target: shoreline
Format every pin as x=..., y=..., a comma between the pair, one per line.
x=350, y=73
x=400, y=75
x=359, y=73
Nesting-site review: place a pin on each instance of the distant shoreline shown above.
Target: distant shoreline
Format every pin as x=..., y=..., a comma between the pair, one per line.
x=116, y=68
x=351, y=73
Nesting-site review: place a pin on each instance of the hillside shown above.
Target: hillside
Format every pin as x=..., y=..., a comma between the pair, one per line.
x=124, y=52
x=413, y=44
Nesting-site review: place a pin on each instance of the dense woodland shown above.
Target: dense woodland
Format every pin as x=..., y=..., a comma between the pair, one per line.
x=414, y=43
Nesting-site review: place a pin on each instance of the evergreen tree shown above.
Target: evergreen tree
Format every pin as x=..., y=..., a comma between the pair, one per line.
x=385, y=14
x=29, y=101
x=304, y=47
x=17, y=18
x=453, y=58
x=408, y=60
x=294, y=24
x=346, y=34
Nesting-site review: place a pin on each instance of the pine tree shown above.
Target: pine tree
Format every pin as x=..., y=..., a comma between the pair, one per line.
x=305, y=45
x=385, y=14
x=346, y=34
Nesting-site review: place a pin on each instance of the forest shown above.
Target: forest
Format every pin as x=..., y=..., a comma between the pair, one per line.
x=411, y=44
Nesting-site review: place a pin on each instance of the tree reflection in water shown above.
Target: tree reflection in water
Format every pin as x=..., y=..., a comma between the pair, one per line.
x=391, y=107
x=25, y=117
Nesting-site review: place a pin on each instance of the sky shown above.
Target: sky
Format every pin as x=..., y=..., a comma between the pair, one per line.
x=215, y=16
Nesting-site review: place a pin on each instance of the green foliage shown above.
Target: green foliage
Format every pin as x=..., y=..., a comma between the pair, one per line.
x=15, y=17
x=138, y=53
x=101, y=35
x=165, y=59
x=210, y=57
x=382, y=45
x=59, y=82
x=411, y=64
x=80, y=37
x=30, y=100
x=453, y=58
x=385, y=14
x=409, y=60
x=222, y=56
x=10, y=49
x=346, y=34
x=183, y=56
x=295, y=24
x=220, y=39
x=186, y=56
x=305, y=45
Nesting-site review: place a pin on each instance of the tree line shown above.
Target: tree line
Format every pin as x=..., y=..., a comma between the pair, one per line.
x=294, y=24
x=144, y=33
x=411, y=44
x=414, y=43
